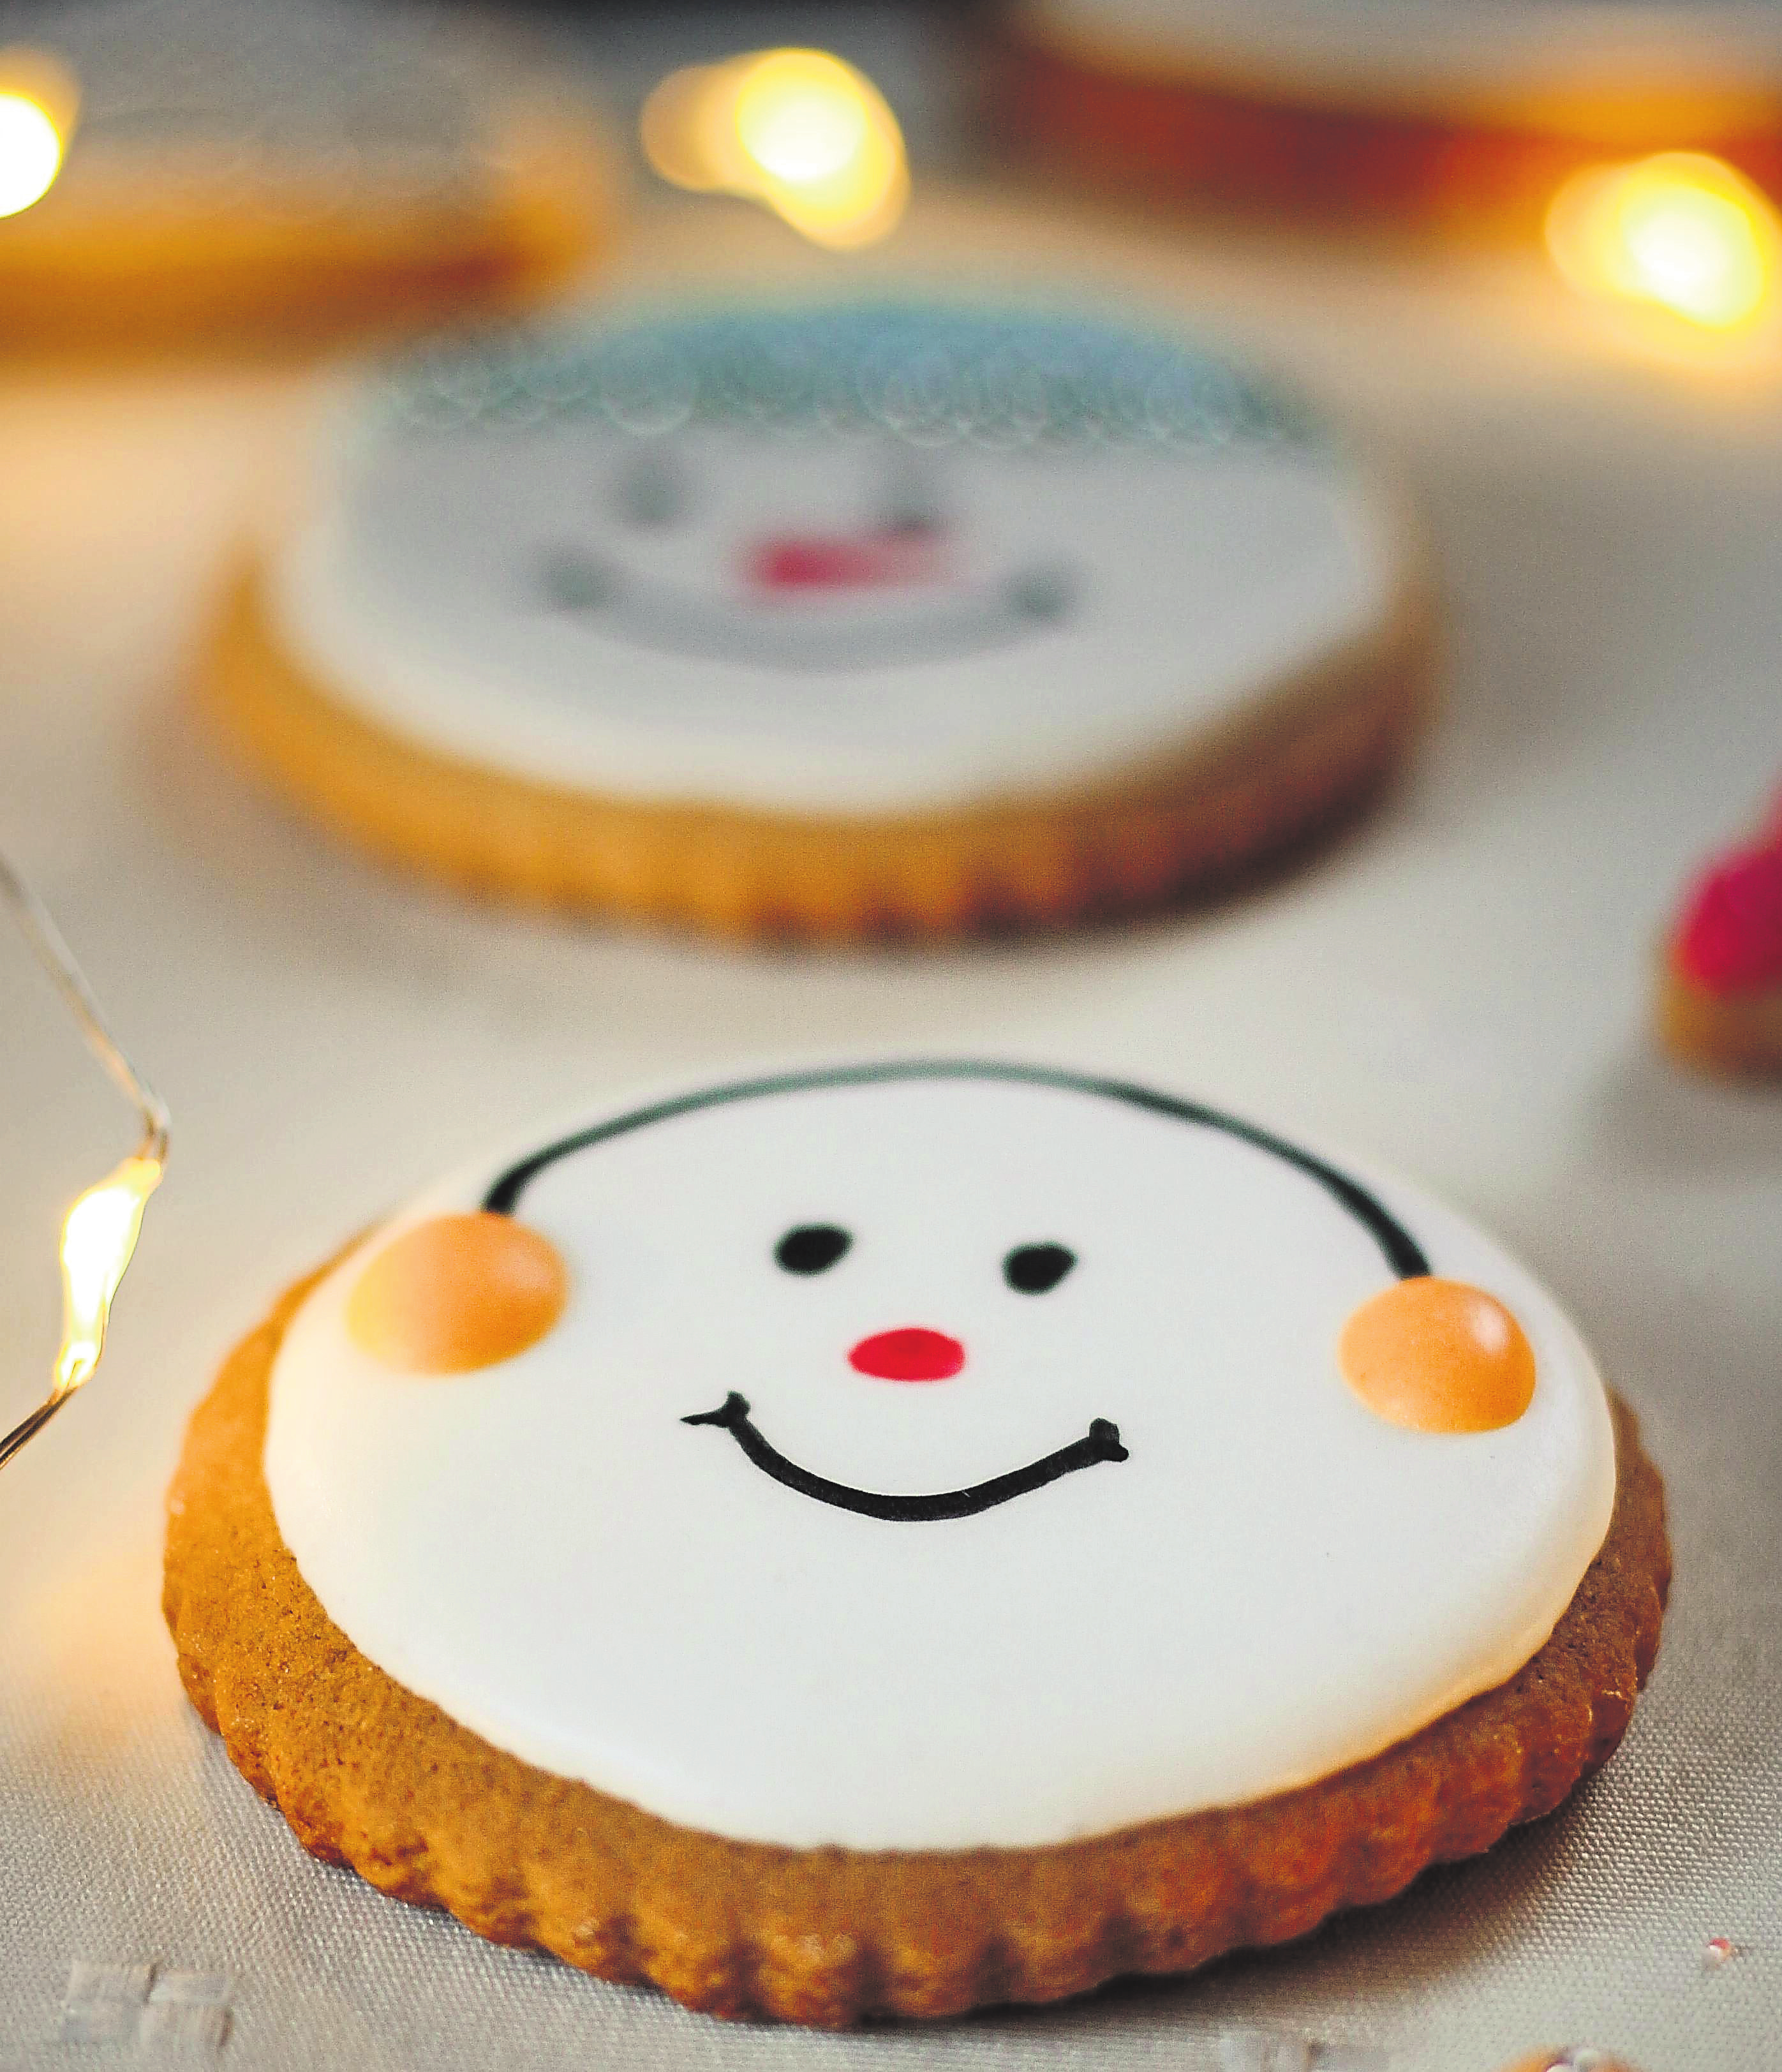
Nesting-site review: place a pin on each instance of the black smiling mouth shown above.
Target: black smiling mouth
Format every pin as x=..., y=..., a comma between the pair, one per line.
x=1101, y=1443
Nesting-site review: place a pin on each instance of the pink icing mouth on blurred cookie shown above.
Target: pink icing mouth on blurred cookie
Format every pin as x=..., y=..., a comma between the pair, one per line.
x=822, y=561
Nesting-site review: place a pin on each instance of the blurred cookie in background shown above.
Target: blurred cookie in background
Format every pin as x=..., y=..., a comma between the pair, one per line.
x=1384, y=112
x=889, y=616
x=1720, y=991
x=280, y=173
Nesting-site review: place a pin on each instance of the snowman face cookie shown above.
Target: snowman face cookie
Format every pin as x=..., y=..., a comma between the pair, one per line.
x=848, y=559
x=933, y=1456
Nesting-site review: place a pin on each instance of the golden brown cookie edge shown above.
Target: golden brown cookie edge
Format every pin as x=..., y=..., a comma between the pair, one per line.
x=1310, y=752
x=370, y=1775
x=1730, y=1035
x=277, y=286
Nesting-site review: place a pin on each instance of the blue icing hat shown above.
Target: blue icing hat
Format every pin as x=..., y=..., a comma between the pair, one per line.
x=930, y=373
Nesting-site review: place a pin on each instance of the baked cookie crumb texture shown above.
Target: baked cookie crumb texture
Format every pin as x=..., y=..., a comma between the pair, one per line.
x=967, y=1437
x=1720, y=989
x=839, y=619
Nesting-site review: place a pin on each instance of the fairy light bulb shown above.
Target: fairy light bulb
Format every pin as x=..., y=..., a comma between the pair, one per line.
x=99, y=1238
x=39, y=99
x=799, y=131
x=99, y=1232
x=1680, y=231
x=801, y=117
x=30, y=152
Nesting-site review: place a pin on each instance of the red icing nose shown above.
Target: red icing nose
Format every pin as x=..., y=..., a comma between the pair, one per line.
x=866, y=561
x=911, y=1354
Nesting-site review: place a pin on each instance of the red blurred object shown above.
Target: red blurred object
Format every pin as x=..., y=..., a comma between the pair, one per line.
x=1187, y=139
x=1729, y=939
x=872, y=561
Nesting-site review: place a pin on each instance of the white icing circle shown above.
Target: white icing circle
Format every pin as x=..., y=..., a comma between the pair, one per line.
x=599, y=601
x=1273, y=1583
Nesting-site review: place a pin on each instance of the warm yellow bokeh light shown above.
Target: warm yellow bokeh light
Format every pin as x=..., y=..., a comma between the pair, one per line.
x=98, y=1242
x=799, y=130
x=671, y=128
x=1681, y=231
x=801, y=119
x=30, y=152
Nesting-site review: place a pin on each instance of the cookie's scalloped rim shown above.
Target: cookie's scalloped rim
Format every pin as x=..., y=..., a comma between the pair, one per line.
x=371, y=1776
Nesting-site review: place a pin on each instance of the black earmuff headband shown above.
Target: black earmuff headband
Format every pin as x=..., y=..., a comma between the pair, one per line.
x=1402, y=1252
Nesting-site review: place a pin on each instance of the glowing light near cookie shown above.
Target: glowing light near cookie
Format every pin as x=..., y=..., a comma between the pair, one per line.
x=100, y=1231
x=37, y=101
x=1680, y=231
x=30, y=153
x=98, y=1242
x=800, y=131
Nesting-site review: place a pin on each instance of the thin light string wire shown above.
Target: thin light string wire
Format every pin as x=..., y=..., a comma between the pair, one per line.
x=39, y=928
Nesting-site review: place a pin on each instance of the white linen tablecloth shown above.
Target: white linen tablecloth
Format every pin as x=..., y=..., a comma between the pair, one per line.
x=1458, y=985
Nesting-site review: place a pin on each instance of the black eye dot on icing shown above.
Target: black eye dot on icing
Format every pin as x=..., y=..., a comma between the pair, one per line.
x=811, y=1247
x=1033, y=1269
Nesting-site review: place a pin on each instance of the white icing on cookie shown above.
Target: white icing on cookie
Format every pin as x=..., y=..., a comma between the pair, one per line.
x=708, y=597
x=1161, y=1556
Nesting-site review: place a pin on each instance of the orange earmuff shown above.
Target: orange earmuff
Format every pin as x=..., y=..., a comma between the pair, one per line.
x=1568, y=2061
x=456, y=1293
x=1438, y=1356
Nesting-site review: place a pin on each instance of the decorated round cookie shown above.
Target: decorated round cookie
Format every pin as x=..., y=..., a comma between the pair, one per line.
x=1404, y=109
x=838, y=617
x=282, y=171
x=818, y=1492
x=1720, y=989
